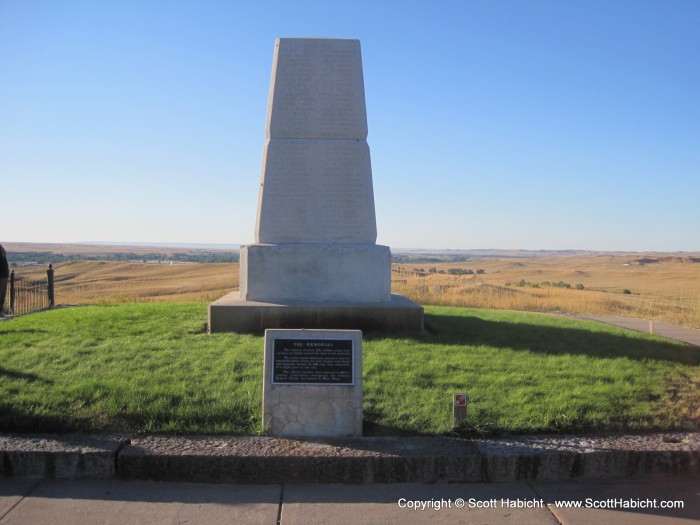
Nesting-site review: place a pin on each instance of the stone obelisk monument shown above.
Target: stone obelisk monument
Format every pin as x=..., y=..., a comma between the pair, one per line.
x=315, y=262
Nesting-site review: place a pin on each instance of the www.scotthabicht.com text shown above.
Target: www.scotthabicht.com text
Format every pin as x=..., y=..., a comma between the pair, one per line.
x=496, y=503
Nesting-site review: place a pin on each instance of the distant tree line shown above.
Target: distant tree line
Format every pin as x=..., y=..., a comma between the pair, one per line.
x=422, y=272
x=17, y=258
x=560, y=284
x=403, y=258
x=457, y=271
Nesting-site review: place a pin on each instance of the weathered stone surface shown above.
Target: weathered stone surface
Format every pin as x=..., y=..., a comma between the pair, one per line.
x=280, y=460
x=361, y=460
x=231, y=314
x=317, y=90
x=408, y=459
x=560, y=457
x=316, y=182
x=316, y=273
x=65, y=456
x=306, y=410
x=316, y=232
x=316, y=191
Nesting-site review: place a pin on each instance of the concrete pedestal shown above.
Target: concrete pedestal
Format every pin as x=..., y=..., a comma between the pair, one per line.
x=232, y=314
x=356, y=273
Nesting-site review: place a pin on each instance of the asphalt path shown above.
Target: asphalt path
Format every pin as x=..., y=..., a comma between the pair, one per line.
x=679, y=333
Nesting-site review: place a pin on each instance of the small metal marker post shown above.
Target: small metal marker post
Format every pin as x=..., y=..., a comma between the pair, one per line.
x=459, y=407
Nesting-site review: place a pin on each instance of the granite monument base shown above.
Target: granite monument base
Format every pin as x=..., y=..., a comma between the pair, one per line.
x=231, y=314
x=316, y=272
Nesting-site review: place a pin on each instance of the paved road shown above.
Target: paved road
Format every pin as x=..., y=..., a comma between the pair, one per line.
x=34, y=501
x=679, y=333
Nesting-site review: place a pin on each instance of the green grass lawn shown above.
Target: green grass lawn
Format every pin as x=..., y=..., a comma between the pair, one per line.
x=152, y=368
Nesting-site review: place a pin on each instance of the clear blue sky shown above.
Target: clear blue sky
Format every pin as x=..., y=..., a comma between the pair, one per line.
x=492, y=124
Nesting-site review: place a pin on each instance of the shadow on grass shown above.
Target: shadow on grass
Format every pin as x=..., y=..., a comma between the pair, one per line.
x=448, y=329
x=18, y=419
x=15, y=419
x=13, y=374
x=13, y=331
x=371, y=427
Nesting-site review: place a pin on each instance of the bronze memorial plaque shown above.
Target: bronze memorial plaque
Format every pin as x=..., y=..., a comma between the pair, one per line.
x=313, y=362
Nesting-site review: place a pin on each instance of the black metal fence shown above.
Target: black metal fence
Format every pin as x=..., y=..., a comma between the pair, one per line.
x=28, y=295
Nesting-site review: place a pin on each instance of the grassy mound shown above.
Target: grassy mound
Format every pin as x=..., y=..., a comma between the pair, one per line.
x=151, y=367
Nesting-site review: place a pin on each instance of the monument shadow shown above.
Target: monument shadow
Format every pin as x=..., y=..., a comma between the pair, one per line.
x=30, y=378
x=446, y=329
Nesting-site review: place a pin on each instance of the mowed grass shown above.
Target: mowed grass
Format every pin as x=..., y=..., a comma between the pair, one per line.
x=151, y=367
x=528, y=372
x=132, y=367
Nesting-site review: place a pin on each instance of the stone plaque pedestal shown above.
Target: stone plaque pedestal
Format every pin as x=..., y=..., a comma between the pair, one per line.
x=312, y=384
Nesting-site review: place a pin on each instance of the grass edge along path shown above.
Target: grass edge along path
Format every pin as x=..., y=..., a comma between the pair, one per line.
x=152, y=368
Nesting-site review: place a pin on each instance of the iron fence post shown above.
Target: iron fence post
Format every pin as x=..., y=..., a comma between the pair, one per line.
x=49, y=275
x=12, y=292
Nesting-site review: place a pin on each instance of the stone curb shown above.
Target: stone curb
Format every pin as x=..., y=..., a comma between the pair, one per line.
x=70, y=456
x=255, y=460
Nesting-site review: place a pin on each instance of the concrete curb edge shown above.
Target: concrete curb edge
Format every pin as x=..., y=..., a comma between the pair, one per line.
x=223, y=459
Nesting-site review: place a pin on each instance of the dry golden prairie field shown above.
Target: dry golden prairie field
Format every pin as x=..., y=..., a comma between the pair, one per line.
x=659, y=287
x=665, y=288
x=102, y=282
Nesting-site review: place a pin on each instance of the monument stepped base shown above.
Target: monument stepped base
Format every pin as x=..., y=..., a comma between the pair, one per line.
x=316, y=272
x=231, y=314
